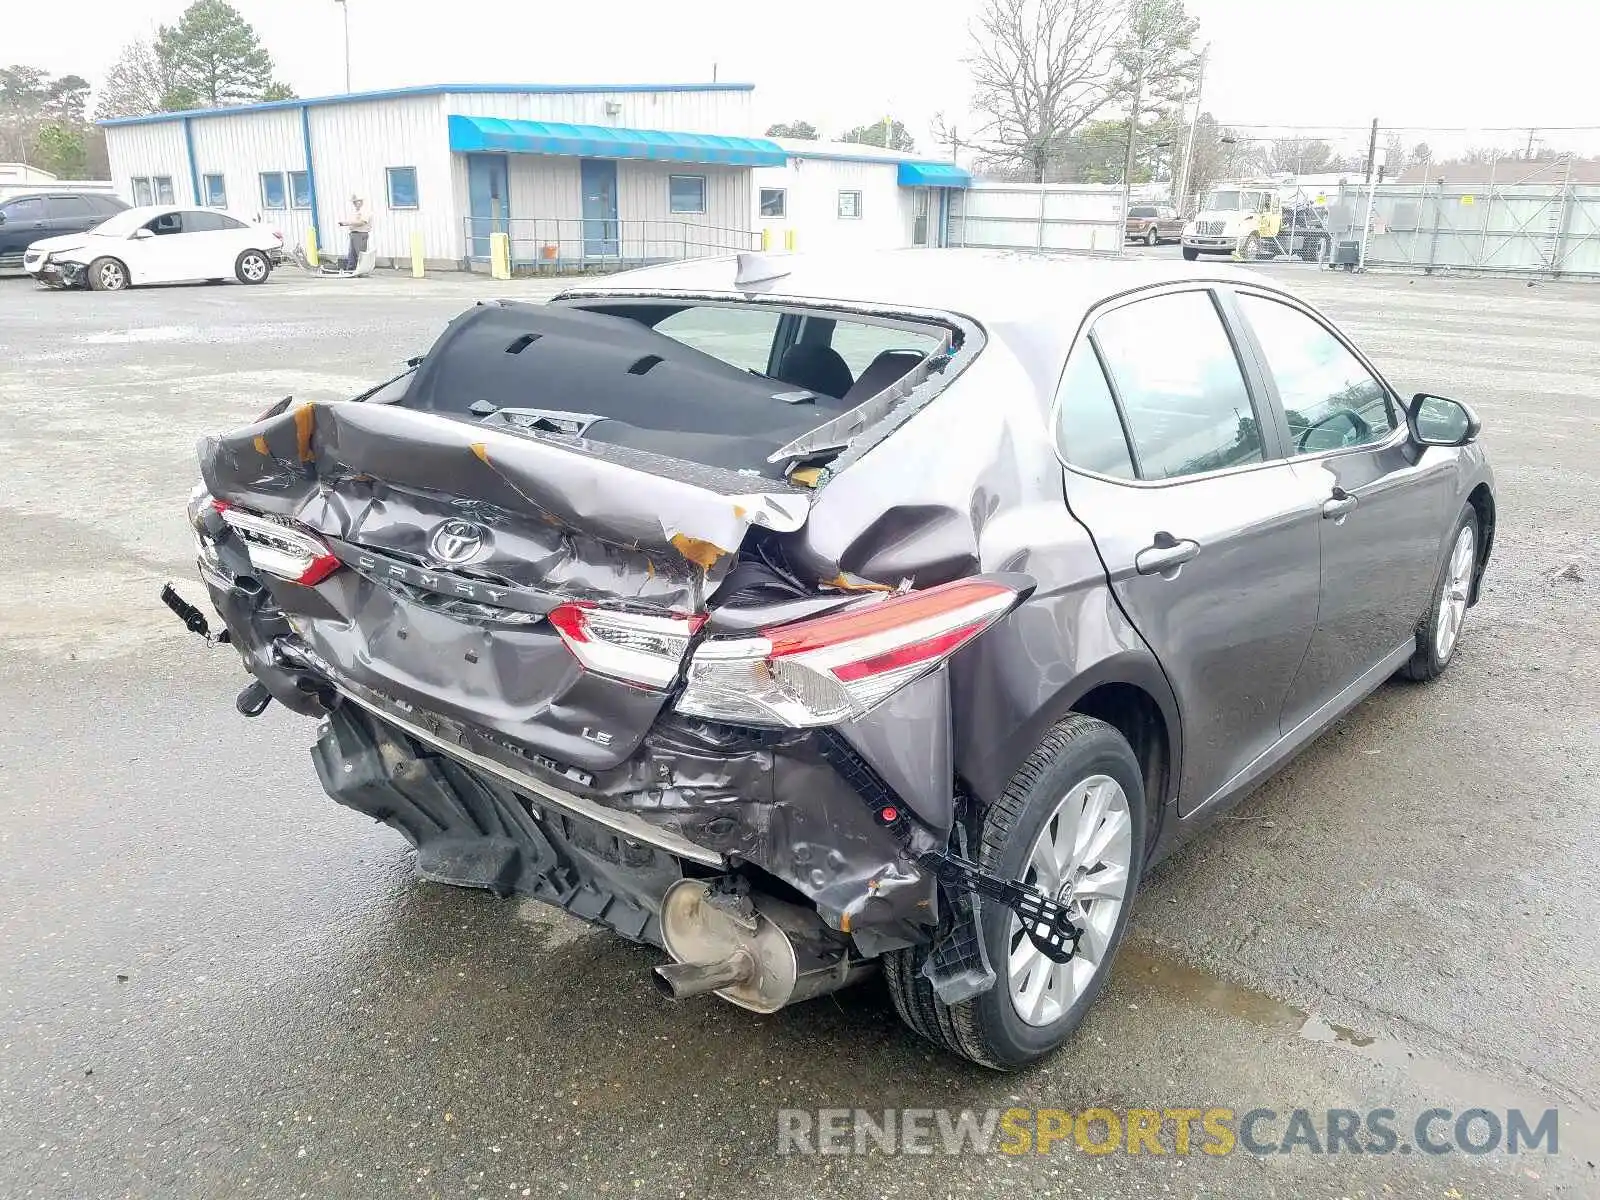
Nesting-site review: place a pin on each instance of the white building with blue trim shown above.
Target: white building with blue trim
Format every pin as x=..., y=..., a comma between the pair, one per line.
x=575, y=175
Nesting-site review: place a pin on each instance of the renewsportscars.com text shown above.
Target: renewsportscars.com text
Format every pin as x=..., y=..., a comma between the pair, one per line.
x=1213, y=1130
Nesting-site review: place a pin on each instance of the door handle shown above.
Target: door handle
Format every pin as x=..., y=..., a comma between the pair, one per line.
x=1166, y=554
x=1338, y=504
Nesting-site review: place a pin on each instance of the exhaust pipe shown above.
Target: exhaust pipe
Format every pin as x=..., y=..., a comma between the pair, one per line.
x=680, y=980
x=758, y=952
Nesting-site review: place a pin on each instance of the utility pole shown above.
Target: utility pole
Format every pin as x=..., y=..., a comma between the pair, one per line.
x=344, y=7
x=1133, y=134
x=1188, y=152
x=1372, y=150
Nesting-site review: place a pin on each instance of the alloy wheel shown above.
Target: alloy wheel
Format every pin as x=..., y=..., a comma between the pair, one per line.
x=1457, y=586
x=111, y=276
x=1082, y=857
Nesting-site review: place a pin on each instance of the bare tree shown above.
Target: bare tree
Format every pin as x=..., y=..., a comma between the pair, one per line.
x=1041, y=69
x=139, y=83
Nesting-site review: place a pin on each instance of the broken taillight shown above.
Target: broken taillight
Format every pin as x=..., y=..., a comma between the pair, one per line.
x=280, y=548
x=633, y=647
x=840, y=666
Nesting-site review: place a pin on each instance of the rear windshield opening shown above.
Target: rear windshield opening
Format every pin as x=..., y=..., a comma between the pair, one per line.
x=721, y=384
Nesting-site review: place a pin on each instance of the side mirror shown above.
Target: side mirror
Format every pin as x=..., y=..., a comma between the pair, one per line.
x=1437, y=421
x=142, y=233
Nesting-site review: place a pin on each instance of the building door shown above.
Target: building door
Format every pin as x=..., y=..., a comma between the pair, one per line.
x=599, y=185
x=488, y=200
x=921, y=226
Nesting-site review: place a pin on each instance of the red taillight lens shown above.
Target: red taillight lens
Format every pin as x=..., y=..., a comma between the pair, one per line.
x=840, y=666
x=634, y=647
x=280, y=548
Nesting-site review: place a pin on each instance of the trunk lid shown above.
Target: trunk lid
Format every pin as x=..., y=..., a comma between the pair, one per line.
x=456, y=542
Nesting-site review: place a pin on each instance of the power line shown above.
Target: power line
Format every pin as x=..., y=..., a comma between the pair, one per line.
x=1415, y=128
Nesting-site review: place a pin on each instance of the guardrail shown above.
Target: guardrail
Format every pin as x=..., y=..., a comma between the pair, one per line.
x=568, y=244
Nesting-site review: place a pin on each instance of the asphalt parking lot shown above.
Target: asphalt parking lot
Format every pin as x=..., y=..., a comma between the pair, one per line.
x=218, y=983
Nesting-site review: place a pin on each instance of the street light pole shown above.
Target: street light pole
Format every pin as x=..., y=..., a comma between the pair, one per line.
x=344, y=7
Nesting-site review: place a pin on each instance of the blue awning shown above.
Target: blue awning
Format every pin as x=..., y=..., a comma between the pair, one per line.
x=473, y=135
x=933, y=174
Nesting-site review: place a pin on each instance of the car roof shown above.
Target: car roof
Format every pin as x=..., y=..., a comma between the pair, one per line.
x=991, y=286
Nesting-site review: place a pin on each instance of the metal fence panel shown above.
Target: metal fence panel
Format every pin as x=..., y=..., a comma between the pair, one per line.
x=1544, y=229
x=1026, y=216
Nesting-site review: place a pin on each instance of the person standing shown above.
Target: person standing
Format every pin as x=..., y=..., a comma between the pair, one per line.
x=360, y=226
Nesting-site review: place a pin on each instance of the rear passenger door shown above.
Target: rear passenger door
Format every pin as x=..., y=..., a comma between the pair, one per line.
x=70, y=214
x=1208, y=536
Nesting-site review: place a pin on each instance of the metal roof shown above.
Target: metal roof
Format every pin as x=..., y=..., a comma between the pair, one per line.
x=433, y=89
x=476, y=134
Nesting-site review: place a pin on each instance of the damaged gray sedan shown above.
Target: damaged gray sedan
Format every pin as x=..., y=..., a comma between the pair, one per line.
x=807, y=617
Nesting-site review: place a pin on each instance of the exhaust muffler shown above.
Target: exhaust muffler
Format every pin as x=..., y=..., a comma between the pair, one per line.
x=758, y=952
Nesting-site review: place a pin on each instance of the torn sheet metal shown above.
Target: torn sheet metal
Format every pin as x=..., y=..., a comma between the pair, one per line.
x=589, y=521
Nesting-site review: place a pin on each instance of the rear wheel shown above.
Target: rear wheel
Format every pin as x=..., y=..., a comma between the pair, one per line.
x=107, y=275
x=1439, y=632
x=252, y=267
x=1072, y=824
x=1190, y=253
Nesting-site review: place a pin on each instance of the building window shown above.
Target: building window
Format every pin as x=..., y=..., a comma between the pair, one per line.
x=214, y=190
x=152, y=189
x=775, y=202
x=402, y=187
x=299, y=189
x=850, y=205
x=686, y=193
x=272, y=190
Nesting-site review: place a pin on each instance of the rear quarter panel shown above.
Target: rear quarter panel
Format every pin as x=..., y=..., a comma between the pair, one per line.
x=972, y=484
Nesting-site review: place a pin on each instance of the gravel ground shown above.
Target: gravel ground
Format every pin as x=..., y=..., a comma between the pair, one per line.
x=219, y=983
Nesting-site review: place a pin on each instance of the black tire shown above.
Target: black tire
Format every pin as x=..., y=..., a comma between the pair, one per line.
x=108, y=275
x=252, y=267
x=1426, y=662
x=1190, y=253
x=1251, y=248
x=1151, y=237
x=987, y=1029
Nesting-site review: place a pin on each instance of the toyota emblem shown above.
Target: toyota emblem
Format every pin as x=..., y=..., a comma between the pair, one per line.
x=456, y=542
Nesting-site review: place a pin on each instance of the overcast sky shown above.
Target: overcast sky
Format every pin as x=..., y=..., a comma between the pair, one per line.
x=840, y=63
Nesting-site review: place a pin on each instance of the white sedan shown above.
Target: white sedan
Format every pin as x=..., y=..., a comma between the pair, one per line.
x=157, y=244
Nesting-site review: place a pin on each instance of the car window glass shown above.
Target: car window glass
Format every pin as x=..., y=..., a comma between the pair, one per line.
x=30, y=209
x=69, y=207
x=1141, y=211
x=858, y=344
x=1088, y=429
x=106, y=204
x=164, y=224
x=1329, y=398
x=224, y=221
x=1182, y=391
x=741, y=336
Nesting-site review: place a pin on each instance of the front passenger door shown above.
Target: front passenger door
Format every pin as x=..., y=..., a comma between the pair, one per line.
x=1382, y=503
x=1207, y=536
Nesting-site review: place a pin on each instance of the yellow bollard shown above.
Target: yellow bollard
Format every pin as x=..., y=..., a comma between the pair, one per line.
x=416, y=255
x=499, y=256
x=788, y=239
x=311, y=247
x=766, y=239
